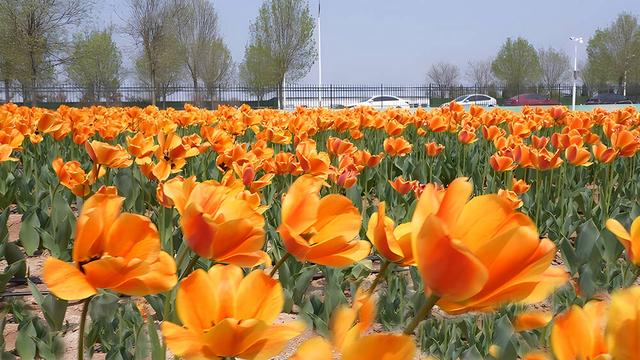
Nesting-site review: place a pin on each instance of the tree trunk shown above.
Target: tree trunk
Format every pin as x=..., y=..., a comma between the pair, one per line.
x=7, y=92
x=281, y=98
x=153, y=86
x=196, y=94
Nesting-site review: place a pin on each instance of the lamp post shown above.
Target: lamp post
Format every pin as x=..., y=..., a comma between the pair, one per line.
x=319, y=60
x=576, y=41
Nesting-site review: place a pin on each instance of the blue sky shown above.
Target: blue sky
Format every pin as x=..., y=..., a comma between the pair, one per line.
x=395, y=42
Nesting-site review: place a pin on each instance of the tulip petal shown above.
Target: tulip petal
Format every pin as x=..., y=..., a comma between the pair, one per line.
x=275, y=339
x=315, y=348
x=133, y=236
x=447, y=267
x=196, y=301
x=381, y=347
x=570, y=338
x=300, y=205
x=483, y=217
x=262, y=297
x=623, y=326
x=332, y=206
x=454, y=200
x=66, y=281
x=98, y=213
x=183, y=342
x=231, y=337
x=227, y=280
x=160, y=277
x=349, y=255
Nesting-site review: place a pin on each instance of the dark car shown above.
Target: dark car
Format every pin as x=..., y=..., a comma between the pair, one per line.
x=530, y=99
x=608, y=98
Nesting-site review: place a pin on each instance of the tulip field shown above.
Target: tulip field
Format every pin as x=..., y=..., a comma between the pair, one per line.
x=316, y=234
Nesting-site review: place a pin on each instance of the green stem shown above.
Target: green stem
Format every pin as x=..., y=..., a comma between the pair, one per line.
x=279, y=263
x=83, y=321
x=422, y=314
x=383, y=268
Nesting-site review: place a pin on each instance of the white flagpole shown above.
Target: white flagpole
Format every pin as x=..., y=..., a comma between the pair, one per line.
x=319, y=60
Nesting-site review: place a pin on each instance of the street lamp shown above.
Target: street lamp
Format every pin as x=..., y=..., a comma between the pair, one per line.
x=319, y=60
x=576, y=41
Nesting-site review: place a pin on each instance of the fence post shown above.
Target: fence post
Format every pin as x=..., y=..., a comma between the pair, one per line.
x=331, y=95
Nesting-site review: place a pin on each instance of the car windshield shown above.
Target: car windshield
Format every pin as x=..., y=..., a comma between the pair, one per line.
x=460, y=98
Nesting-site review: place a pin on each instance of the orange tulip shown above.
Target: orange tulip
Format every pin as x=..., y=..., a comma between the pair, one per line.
x=604, y=154
x=171, y=155
x=519, y=186
x=226, y=315
x=496, y=251
x=510, y=197
x=433, y=149
x=397, y=146
x=630, y=240
x=501, y=162
x=5, y=153
x=545, y=160
x=72, y=176
x=539, y=142
x=401, y=185
x=141, y=147
x=625, y=142
x=530, y=320
x=578, y=333
x=115, y=251
x=392, y=242
x=492, y=132
x=536, y=355
x=623, y=324
x=337, y=146
x=363, y=158
x=111, y=156
x=467, y=136
x=346, y=178
x=348, y=326
x=578, y=156
x=219, y=223
x=322, y=231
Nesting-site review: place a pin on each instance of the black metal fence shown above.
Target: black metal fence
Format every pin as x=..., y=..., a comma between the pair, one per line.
x=291, y=96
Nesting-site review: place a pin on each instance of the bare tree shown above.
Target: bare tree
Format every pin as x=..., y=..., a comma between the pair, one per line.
x=284, y=30
x=479, y=73
x=151, y=25
x=443, y=74
x=197, y=30
x=34, y=35
x=555, y=67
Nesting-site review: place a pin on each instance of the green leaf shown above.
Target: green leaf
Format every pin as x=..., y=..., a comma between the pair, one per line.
x=9, y=273
x=157, y=350
x=570, y=255
x=54, y=309
x=586, y=240
x=25, y=345
x=28, y=234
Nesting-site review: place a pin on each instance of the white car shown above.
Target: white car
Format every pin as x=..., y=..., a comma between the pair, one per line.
x=384, y=102
x=476, y=99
